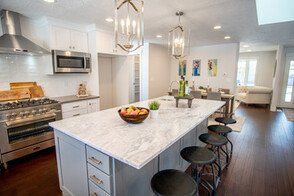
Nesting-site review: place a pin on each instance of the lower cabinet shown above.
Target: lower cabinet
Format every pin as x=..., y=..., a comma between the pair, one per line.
x=72, y=165
x=78, y=108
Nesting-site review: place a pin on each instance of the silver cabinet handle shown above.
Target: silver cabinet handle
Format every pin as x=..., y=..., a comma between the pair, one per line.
x=76, y=115
x=76, y=106
x=96, y=180
x=98, y=162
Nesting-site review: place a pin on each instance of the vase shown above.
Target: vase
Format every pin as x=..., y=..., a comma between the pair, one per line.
x=154, y=114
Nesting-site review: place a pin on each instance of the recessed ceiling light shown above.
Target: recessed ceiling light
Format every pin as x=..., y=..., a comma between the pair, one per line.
x=227, y=37
x=109, y=20
x=49, y=1
x=217, y=27
x=246, y=46
x=249, y=50
x=159, y=36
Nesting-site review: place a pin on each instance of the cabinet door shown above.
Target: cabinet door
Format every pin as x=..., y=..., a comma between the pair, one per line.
x=60, y=38
x=79, y=41
x=72, y=165
x=93, y=105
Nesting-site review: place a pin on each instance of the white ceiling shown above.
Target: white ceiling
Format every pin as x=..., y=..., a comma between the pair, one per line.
x=257, y=47
x=237, y=17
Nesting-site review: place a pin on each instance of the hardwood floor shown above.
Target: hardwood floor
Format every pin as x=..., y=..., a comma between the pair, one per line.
x=262, y=164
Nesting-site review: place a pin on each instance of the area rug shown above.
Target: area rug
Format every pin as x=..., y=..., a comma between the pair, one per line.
x=289, y=113
x=237, y=127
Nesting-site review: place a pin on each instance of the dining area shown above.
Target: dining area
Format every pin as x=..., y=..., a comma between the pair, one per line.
x=221, y=94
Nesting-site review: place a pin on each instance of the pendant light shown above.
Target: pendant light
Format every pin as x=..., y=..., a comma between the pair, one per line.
x=128, y=24
x=178, y=40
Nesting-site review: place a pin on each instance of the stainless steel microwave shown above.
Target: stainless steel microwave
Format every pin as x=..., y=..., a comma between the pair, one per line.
x=71, y=62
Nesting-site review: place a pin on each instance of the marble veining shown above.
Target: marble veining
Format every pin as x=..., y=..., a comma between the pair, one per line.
x=138, y=144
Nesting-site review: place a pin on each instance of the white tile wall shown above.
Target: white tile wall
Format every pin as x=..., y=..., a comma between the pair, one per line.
x=19, y=68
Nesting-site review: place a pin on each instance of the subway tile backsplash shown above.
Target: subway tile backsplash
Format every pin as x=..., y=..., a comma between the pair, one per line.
x=20, y=68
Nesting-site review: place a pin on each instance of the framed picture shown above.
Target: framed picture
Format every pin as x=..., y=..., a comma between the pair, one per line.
x=212, y=67
x=182, y=67
x=196, y=67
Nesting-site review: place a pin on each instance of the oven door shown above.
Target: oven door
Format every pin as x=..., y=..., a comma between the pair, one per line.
x=19, y=134
x=70, y=62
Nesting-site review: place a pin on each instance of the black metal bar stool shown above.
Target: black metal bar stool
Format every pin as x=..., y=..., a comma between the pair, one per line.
x=173, y=182
x=216, y=143
x=200, y=157
x=227, y=121
x=224, y=131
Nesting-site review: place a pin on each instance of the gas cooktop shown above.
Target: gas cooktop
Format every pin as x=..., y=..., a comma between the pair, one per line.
x=25, y=103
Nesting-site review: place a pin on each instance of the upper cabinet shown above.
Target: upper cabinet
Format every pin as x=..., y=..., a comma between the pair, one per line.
x=68, y=39
x=105, y=43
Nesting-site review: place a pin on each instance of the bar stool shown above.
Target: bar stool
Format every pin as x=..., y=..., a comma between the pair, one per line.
x=216, y=143
x=224, y=131
x=226, y=121
x=173, y=182
x=200, y=157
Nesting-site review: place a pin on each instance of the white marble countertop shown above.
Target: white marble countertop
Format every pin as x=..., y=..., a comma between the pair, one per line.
x=137, y=144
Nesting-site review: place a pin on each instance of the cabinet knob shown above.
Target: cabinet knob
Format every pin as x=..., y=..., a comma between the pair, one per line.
x=70, y=47
x=73, y=47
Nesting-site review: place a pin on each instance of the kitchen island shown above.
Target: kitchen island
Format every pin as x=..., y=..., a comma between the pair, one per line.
x=100, y=154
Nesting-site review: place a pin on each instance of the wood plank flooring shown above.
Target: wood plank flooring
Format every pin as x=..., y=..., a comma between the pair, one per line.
x=262, y=164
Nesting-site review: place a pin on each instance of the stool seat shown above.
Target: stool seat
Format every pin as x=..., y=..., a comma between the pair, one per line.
x=198, y=155
x=220, y=129
x=173, y=183
x=225, y=120
x=213, y=139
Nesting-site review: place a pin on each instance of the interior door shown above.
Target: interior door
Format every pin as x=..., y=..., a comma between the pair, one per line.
x=288, y=83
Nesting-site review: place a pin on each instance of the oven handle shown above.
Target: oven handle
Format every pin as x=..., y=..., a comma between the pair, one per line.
x=21, y=122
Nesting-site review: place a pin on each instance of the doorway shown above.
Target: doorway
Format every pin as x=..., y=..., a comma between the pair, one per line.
x=119, y=80
x=287, y=99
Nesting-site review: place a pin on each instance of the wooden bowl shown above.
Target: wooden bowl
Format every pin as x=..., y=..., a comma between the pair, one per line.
x=134, y=119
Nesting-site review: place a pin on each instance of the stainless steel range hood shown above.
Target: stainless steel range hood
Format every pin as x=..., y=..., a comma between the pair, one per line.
x=12, y=41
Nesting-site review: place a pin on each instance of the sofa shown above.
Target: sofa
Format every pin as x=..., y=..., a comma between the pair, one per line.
x=253, y=94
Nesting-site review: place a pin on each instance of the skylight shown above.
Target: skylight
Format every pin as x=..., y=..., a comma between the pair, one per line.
x=274, y=11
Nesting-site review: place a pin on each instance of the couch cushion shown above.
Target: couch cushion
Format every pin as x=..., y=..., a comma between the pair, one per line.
x=258, y=90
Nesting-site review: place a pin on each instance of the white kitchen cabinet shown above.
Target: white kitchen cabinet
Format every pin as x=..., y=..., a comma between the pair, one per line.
x=105, y=44
x=68, y=39
x=78, y=108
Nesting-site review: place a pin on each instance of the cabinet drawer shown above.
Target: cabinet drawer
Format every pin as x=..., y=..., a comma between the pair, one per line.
x=98, y=159
x=96, y=191
x=99, y=178
x=74, y=113
x=78, y=105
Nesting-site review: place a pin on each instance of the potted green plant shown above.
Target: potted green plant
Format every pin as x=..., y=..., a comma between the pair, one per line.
x=154, y=106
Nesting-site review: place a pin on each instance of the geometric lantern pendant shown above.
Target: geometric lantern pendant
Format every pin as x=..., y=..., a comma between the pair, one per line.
x=128, y=24
x=179, y=40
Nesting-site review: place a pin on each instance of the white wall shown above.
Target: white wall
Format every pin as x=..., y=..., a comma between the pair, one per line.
x=20, y=68
x=105, y=82
x=159, y=70
x=265, y=66
x=227, y=56
x=155, y=71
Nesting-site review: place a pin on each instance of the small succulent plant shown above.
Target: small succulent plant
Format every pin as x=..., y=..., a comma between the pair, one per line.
x=154, y=105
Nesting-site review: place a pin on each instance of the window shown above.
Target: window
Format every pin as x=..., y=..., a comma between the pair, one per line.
x=246, y=72
x=290, y=82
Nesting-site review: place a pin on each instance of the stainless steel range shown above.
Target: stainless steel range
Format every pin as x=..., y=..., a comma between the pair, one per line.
x=24, y=127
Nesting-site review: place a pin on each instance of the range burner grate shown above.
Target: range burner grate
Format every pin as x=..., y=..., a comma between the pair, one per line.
x=26, y=103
